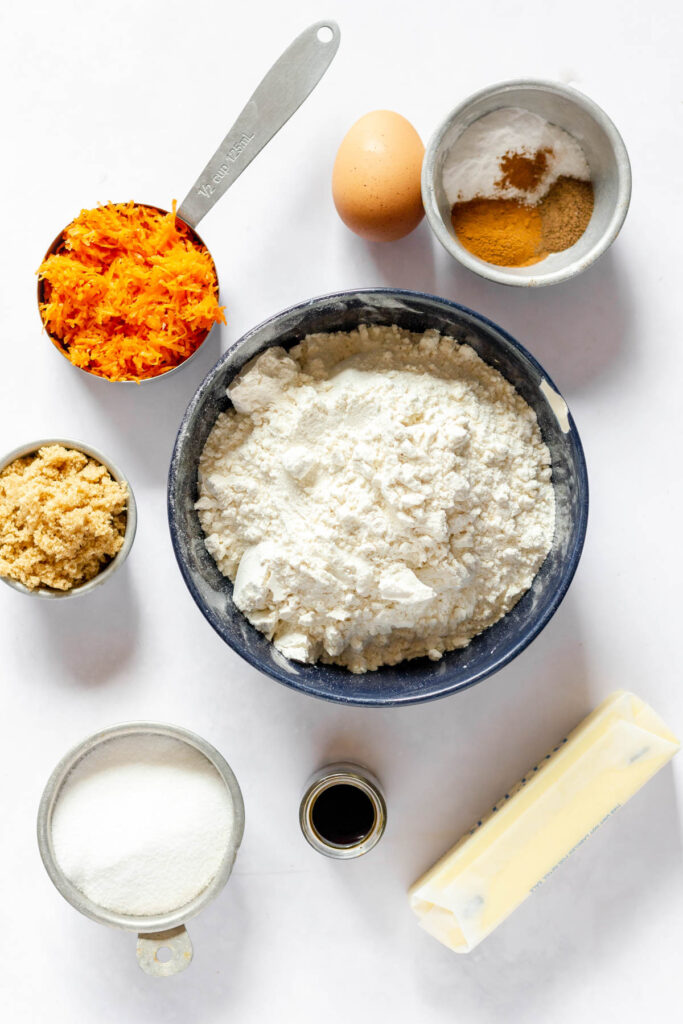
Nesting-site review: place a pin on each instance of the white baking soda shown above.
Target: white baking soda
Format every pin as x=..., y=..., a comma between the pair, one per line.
x=141, y=824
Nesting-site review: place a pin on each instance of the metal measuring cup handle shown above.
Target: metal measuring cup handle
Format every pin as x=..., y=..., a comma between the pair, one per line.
x=175, y=941
x=290, y=80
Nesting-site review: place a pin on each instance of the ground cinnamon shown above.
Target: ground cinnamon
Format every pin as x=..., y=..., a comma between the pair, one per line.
x=523, y=171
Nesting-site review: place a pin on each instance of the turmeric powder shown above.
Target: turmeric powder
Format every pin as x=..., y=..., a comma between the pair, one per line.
x=500, y=231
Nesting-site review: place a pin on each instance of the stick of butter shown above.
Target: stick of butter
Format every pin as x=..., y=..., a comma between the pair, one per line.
x=541, y=820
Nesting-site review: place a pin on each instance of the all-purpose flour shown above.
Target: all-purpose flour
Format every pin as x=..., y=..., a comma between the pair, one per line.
x=375, y=496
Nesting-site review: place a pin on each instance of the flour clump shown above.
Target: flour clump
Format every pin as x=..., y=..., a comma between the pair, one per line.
x=375, y=495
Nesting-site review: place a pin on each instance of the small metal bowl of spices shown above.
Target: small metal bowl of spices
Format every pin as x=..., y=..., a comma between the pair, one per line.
x=526, y=183
x=67, y=518
x=138, y=828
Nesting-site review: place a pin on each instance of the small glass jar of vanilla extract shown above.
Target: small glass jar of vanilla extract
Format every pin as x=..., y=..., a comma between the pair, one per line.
x=343, y=813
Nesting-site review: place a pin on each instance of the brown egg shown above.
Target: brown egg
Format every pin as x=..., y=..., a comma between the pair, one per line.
x=376, y=177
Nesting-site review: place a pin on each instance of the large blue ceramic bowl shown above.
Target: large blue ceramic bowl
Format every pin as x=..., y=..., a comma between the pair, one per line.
x=419, y=679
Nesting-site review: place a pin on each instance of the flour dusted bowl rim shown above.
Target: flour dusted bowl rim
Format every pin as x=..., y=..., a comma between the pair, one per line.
x=420, y=679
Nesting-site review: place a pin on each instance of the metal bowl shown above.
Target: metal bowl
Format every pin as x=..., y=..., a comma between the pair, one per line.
x=58, y=243
x=604, y=150
x=159, y=930
x=421, y=679
x=131, y=518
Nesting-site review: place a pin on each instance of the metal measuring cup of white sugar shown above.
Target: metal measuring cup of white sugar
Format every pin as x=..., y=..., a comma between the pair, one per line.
x=343, y=813
x=163, y=947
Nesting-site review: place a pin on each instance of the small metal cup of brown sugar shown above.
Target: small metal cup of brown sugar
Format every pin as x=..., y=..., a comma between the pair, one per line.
x=557, y=209
x=343, y=813
x=125, y=526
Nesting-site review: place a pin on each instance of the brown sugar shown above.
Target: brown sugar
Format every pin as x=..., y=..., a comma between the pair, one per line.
x=62, y=518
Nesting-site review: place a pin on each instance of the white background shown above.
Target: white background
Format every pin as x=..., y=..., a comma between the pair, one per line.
x=110, y=101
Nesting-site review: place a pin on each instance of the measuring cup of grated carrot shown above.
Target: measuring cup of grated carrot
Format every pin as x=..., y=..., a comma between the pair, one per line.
x=129, y=292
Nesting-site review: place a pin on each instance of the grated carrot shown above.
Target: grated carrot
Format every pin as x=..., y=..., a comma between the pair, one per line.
x=129, y=294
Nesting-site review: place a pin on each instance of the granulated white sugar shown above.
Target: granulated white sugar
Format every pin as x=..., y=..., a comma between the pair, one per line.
x=142, y=824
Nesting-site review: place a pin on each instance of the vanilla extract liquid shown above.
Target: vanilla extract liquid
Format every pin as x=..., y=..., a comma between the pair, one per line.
x=343, y=815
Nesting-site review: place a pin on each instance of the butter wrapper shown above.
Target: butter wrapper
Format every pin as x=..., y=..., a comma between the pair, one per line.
x=541, y=820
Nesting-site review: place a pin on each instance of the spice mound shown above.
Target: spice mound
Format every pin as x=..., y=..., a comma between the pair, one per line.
x=519, y=188
x=129, y=294
x=62, y=518
x=375, y=496
x=142, y=824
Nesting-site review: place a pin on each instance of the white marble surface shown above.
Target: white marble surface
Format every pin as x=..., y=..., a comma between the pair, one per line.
x=111, y=101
